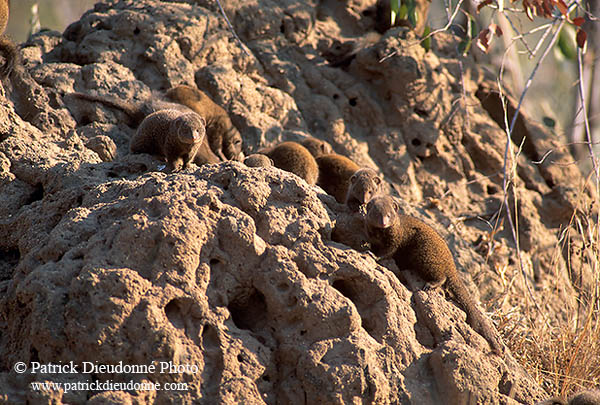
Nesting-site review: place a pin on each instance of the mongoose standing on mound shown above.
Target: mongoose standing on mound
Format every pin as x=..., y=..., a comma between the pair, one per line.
x=317, y=147
x=136, y=112
x=171, y=134
x=365, y=183
x=334, y=175
x=416, y=246
x=7, y=48
x=224, y=139
x=295, y=158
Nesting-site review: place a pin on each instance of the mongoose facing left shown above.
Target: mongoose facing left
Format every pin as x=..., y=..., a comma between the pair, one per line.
x=416, y=246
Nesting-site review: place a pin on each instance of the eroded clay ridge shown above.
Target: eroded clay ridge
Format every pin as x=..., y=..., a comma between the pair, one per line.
x=106, y=259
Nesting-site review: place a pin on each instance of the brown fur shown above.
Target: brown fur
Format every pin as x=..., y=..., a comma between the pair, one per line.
x=364, y=184
x=258, y=160
x=171, y=134
x=224, y=138
x=334, y=175
x=590, y=397
x=341, y=54
x=7, y=48
x=416, y=246
x=295, y=158
x=136, y=112
x=317, y=147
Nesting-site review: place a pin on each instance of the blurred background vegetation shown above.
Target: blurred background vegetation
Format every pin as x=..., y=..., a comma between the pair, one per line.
x=552, y=98
x=53, y=14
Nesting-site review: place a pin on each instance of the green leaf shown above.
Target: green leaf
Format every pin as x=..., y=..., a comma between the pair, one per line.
x=403, y=12
x=427, y=40
x=395, y=7
x=565, y=44
x=465, y=45
x=412, y=12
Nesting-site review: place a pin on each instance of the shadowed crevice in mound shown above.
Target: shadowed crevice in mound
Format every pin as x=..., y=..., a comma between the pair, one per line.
x=9, y=259
x=36, y=195
x=371, y=319
x=492, y=103
x=184, y=314
x=213, y=361
x=249, y=313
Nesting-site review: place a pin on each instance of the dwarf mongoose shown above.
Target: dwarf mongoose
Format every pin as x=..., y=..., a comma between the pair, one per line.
x=334, y=175
x=135, y=111
x=591, y=397
x=171, y=134
x=341, y=54
x=7, y=48
x=295, y=158
x=224, y=139
x=258, y=160
x=317, y=147
x=416, y=246
x=364, y=184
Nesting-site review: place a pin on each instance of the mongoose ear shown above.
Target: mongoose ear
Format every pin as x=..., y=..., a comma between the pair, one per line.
x=353, y=178
x=378, y=180
x=396, y=206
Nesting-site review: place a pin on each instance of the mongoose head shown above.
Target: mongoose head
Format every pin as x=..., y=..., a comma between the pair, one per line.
x=258, y=160
x=232, y=139
x=382, y=212
x=364, y=184
x=317, y=147
x=191, y=128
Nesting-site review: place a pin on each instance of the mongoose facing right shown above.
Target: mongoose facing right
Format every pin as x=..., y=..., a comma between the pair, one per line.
x=416, y=246
x=334, y=175
x=171, y=134
x=7, y=48
x=365, y=183
x=295, y=158
x=316, y=147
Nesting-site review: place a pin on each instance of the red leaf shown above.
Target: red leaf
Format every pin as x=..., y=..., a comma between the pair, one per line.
x=562, y=7
x=483, y=4
x=581, y=37
x=483, y=40
x=528, y=10
x=578, y=21
x=496, y=30
x=547, y=8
